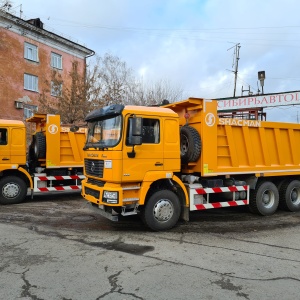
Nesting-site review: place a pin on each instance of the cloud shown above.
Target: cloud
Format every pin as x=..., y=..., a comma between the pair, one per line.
x=188, y=42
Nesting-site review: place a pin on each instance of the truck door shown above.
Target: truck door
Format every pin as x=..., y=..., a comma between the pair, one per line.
x=17, y=143
x=149, y=155
x=4, y=146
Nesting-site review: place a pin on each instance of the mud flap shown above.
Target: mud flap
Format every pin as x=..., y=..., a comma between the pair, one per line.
x=185, y=214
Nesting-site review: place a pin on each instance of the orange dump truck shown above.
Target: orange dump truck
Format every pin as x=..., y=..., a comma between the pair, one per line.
x=163, y=162
x=54, y=161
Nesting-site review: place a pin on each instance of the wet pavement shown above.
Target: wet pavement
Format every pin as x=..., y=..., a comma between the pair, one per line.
x=54, y=247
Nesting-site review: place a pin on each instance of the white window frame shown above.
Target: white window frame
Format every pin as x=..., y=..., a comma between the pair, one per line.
x=29, y=110
x=56, y=60
x=28, y=113
x=56, y=93
x=31, y=82
x=31, y=52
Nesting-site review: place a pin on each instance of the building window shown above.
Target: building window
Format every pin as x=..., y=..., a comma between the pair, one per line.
x=28, y=113
x=56, y=89
x=30, y=82
x=31, y=52
x=56, y=60
x=29, y=110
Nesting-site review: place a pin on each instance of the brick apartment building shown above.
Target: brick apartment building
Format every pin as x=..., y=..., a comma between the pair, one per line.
x=28, y=54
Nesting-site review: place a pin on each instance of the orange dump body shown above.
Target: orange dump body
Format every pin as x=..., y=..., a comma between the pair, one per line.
x=239, y=146
x=64, y=146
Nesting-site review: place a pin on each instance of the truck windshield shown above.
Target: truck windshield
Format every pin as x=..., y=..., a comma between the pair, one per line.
x=104, y=133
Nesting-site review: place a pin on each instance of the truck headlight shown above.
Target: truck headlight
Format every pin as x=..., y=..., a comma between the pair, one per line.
x=110, y=197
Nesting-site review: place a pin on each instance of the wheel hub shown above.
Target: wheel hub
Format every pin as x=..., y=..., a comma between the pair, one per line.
x=163, y=210
x=268, y=199
x=295, y=196
x=184, y=145
x=10, y=190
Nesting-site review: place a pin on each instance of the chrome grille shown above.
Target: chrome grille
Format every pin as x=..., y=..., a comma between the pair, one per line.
x=94, y=167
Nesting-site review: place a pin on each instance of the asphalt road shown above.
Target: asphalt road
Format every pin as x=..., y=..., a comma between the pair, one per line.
x=54, y=247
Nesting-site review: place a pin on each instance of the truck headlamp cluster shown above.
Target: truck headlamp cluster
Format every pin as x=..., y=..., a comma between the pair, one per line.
x=110, y=197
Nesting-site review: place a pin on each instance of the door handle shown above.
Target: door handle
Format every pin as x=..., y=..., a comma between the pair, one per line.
x=5, y=158
x=158, y=164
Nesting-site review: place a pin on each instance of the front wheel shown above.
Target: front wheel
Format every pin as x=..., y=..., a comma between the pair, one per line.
x=13, y=190
x=264, y=199
x=161, y=211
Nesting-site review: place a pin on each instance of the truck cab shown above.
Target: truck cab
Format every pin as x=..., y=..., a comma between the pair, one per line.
x=129, y=150
x=12, y=143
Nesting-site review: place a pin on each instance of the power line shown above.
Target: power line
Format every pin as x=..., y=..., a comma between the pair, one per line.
x=172, y=29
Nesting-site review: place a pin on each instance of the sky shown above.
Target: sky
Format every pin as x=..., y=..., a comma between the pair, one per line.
x=190, y=43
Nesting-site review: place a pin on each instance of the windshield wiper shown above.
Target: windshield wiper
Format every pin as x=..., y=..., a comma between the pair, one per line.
x=95, y=146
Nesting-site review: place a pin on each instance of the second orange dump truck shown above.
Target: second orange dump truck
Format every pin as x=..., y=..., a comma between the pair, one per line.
x=54, y=161
x=163, y=162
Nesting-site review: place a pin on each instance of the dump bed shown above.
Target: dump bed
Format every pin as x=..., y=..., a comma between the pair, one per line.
x=239, y=146
x=62, y=146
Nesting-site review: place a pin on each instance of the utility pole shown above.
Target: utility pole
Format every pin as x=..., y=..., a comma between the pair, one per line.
x=236, y=63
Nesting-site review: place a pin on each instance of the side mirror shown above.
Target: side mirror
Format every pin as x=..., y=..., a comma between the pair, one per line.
x=135, y=140
x=135, y=134
x=135, y=131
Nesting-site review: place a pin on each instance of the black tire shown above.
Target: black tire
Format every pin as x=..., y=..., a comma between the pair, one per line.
x=40, y=145
x=161, y=211
x=264, y=199
x=289, y=195
x=13, y=190
x=190, y=144
x=31, y=154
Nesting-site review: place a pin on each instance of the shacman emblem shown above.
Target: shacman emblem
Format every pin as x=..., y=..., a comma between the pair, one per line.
x=93, y=167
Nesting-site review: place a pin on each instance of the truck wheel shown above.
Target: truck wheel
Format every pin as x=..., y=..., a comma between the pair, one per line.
x=190, y=144
x=264, y=199
x=40, y=145
x=161, y=211
x=13, y=190
x=290, y=195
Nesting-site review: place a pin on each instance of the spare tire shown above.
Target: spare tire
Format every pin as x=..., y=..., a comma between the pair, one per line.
x=40, y=145
x=190, y=144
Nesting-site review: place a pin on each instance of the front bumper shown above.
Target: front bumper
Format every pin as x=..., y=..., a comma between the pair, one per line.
x=96, y=194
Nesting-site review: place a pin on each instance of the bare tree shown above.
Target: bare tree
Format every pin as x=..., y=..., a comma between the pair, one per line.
x=107, y=80
x=5, y=5
x=154, y=93
x=119, y=85
x=71, y=101
x=115, y=78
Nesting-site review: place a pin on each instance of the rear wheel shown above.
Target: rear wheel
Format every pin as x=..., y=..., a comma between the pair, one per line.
x=13, y=190
x=264, y=199
x=162, y=210
x=290, y=195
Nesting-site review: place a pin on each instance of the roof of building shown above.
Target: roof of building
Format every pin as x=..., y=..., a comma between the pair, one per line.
x=36, y=26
